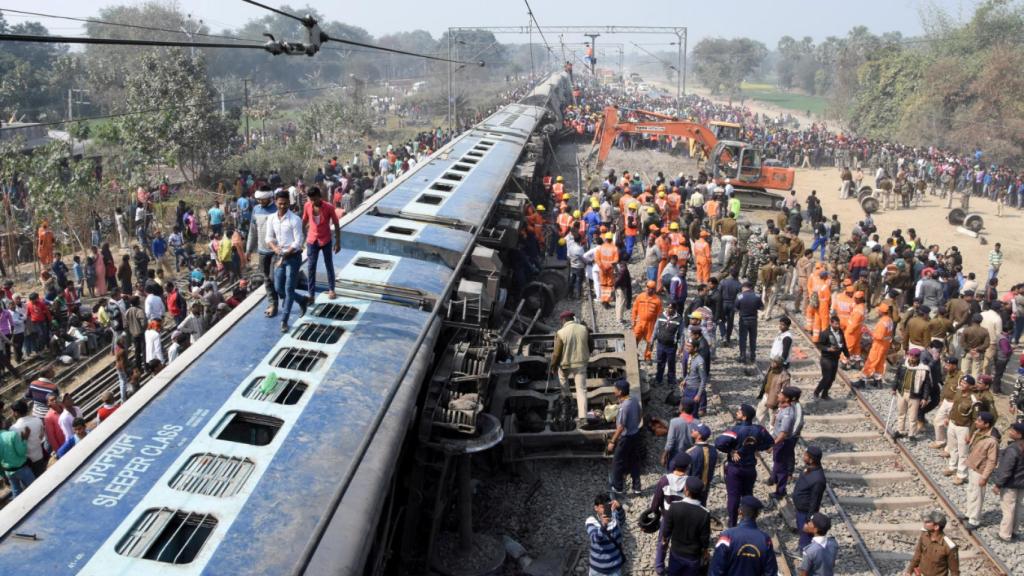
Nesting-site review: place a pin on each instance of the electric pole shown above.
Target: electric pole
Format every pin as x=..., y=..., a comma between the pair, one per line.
x=191, y=34
x=245, y=84
x=593, y=51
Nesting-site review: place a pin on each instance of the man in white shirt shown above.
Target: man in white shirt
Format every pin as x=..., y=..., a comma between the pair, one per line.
x=37, y=460
x=285, y=238
x=67, y=417
x=154, y=307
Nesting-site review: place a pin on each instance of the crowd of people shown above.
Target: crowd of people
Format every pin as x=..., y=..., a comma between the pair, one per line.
x=945, y=331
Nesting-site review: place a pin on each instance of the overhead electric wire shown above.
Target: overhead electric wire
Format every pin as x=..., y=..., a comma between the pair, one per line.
x=537, y=24
x=651, y=54
x=275, y=10
x=121, y=42
x=126, y=25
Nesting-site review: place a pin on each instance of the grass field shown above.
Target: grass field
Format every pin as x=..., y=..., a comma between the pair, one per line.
x=769, y=94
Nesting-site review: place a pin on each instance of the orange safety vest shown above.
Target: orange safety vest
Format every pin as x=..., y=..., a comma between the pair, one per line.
x=547, y=183
x=624, y=202
x=883, y=330
x=565, y=221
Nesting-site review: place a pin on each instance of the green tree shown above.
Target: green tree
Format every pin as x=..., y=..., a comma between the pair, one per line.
x=722, y=64
x=175, y=116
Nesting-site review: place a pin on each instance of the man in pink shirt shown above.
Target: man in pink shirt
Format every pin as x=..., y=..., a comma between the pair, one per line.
x=317, y=216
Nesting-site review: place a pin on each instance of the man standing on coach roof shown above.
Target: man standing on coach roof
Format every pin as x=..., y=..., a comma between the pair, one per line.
x=570, y=359
x=284, y=237
x=257, y=242
x=318, y=215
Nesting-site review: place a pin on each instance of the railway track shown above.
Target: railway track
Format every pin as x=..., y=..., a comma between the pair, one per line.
x=878, y=488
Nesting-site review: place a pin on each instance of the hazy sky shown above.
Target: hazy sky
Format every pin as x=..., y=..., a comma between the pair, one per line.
x=764, y=20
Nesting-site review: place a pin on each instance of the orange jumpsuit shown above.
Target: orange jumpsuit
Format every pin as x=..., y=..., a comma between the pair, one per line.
x=646, y=310
x=821, y=313
x=605, y=258
x=565, y=221
x=557, y=190
x=842, y=305
x=702, y=257
x=674, y=201
x=664, y=244
x=45, y=246
x=535, y=223
x=854, y=327
x=624, y=202
x=881, y=339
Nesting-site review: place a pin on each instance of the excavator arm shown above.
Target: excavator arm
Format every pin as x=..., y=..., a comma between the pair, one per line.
x=609, y=127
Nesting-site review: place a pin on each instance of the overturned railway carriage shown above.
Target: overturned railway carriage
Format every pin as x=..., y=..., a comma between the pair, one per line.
x=260, y=453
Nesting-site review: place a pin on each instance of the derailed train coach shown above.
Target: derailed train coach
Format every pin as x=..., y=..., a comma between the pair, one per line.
x=257, y=452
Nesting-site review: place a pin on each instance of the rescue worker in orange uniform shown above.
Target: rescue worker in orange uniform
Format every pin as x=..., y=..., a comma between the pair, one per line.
x=881, y=340
x=626, y=199
x=674, y=201
x=664, y=243
x=662, y=203
x=854, y=328
x=605, y=258
x=564, y=221
x=819, y=302
x=547, y=182
x=558, y=189
x=631, y=227
x=702, y=257
x=646, y=310
x=842, y=303
x=535, y=223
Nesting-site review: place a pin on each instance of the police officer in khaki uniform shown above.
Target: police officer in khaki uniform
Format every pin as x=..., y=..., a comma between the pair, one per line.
x=935, y=554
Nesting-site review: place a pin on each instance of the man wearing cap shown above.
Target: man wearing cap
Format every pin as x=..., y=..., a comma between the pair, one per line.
x=703, y=459
x=808, y=491
x=958, y=431
x=570, y=359
x=741, y=443
x=626, y=443
x=949, y=387
x=789, y=423
x=881, y=340
x=687, y=529
x=911, y=387
x=935, y=554
x=285, y=238
x=256, y=241
x=918, y=329
x=646, y=310
x=744, y=549
x=668, y=333
x=748, y=304
x=981, y=463
x=669, y=490
x=832, y=345
x=842, y=303
x=821, y=550
x=820, y=293
x=1008, y=482
x=984, y=401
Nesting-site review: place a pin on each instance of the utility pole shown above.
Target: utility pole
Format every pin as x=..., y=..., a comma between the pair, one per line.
x=245, y=84
x=683, y=38
x=449, y=81
x=593, y=51
x=191, y=34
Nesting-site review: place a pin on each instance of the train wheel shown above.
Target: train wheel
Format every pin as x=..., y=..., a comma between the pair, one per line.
x=956, y=216
x=869, y=205
x=974, y=222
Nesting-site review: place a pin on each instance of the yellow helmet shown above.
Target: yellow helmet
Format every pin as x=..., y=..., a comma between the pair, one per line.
x=561, y=241
x=559, y=179
x=696, y=315
x=575, y=213
x=673, y=226
x=634, y=205
x=595, y=203
x=661, y=194
x=608, y=236
x=661, y=187
x=650, y=209
x=540, y=207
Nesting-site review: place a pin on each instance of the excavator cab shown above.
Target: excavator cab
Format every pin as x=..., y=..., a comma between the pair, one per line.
x=725, y=130
x=735, y=160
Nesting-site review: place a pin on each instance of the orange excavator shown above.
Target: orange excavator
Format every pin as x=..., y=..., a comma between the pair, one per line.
x=740, y=162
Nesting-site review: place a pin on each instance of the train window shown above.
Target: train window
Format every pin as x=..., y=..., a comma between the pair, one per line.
x=166, y=535
x=442, y=187
x=481, y=148
x=283, y=391
x=367, y=262
x=489, y=142
x=213, y=475
x=474, y=154
x=340, y=312
x=298, y=359
x=452, y=176
x=431, y=199
x=248, y=428
x=400, y=230
x=461, y=167
x=318, y=333
x=472, y=161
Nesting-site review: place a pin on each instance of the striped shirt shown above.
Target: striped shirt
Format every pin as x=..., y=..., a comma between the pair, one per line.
x=37, y=392
x=605, y=544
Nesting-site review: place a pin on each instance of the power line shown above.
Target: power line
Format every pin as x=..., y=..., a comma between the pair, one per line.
x=120, y=42
x=124, y=25
x=276, y=11
x=537, y=24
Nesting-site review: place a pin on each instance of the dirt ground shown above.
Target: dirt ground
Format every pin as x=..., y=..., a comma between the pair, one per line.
x=929, y=220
